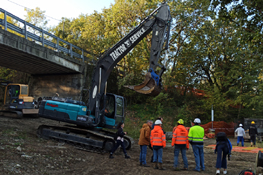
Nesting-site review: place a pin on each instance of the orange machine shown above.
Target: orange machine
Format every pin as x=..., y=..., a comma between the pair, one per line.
x=16, y=100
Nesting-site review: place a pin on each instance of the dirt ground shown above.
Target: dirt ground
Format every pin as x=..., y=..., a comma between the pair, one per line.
x=22, y=152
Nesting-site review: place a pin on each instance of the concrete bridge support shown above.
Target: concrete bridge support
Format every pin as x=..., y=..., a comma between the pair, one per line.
x=65, y=85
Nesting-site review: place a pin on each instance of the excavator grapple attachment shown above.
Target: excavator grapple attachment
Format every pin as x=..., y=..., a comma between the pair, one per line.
x=149, y=86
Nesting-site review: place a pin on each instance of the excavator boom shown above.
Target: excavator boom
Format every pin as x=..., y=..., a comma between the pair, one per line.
x=158, y=22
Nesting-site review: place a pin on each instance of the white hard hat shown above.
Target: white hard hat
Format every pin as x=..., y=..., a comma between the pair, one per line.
x=197, y=120
x=240, y=125
x=158, y=122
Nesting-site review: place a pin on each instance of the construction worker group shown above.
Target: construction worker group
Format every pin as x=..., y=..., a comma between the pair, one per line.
x=152, y=134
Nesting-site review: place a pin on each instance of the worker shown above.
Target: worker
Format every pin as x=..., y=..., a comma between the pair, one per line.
x=120, y=134
x=223, y=146
x=161, y=119
x=180, y=143
x=158, y=142
x=16, y=93
x=195, y=137
x=144, y=141
x=252, y=133
x=240, y=134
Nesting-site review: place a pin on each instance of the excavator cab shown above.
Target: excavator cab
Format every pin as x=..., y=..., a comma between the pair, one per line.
x=16, y=97
x=114, y=110
x=12, y=93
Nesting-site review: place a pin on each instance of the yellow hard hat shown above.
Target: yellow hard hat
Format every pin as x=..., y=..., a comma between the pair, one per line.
x=252, y=122
x=180, y=121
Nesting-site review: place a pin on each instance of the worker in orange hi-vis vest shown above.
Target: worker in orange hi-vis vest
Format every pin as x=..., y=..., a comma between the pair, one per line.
x=180, y=143
x=158, y=142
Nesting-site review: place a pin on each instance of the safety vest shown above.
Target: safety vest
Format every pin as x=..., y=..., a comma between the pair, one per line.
x=196, y=135
x=158, y=137
x=180, y=136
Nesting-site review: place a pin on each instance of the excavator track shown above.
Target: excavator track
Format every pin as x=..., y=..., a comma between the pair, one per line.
x=11, y=114
x=83, y=139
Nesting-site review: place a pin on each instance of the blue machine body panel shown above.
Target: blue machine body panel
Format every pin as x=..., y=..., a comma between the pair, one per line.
x=73, y=110
x=109, y=121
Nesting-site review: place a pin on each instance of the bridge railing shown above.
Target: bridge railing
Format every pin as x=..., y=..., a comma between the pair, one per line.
x=67, y=48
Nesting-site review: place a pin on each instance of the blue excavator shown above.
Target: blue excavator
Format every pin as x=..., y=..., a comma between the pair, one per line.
x=86, y=124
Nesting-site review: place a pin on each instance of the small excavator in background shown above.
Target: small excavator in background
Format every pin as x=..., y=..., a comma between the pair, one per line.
x=86, y=124
x=16, y=100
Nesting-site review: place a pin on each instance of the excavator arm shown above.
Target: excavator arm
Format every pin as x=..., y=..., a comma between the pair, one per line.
x=159, y=23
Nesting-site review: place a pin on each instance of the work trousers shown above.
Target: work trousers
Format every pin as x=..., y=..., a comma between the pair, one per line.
x=143, y=154
x=176, y=155
x=199, y=156
x=253, y=139
x=158, y=155
x=119, y=142
x=221, y=160
x=240, y=139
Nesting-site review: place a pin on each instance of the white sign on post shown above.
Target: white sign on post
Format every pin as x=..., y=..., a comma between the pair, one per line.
x=212, y=115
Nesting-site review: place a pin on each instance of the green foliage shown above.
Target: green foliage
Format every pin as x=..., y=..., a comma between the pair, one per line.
x=218, y=51
x=184, y=114
x=36, y=17
x=159, y=103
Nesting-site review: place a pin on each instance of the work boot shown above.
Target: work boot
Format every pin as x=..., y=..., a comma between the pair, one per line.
x=176, y=169
x=145, y=165
x=127, y=157
x=111, y=156
x=155, y=165
x=161, y=166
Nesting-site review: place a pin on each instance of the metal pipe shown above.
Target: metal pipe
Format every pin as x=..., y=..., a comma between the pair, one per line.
x=25, y=29
x=5, y=21
x=99, y=82
x=57, y=44
x=82, y=55
x=151, y=14
x=105, y=88
x=42, y=37
x=71, y=51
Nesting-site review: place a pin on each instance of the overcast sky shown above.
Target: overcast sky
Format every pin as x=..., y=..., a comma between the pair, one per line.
x=55, y=9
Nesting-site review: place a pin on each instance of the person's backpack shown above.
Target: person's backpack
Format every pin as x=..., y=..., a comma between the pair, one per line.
x=246, y=172
x=221, y=136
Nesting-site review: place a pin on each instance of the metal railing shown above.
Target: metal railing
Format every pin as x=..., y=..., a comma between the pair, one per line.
x=67, y=47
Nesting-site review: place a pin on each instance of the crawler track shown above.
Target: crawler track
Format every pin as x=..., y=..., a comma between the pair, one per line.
x=11, y=114
x=94, y=141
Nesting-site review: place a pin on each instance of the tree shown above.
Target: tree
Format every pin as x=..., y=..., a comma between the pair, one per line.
x=36, y=17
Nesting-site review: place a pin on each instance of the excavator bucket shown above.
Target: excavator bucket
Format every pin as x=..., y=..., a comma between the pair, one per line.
x=149, y=86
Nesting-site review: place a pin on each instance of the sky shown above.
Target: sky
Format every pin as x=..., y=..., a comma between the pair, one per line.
x=55, y=9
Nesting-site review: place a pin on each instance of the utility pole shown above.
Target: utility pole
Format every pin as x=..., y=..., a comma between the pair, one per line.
x=212, y=115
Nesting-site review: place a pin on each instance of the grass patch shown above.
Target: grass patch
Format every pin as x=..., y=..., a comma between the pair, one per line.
x=18, y=144
x=9, y=131
x=21, y=135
